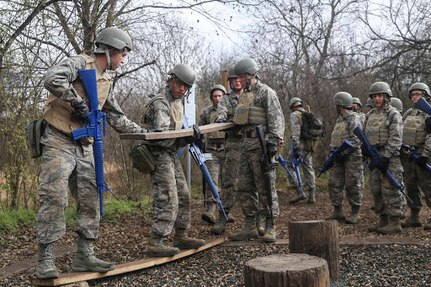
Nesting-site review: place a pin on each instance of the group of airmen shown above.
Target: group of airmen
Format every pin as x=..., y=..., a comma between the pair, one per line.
x=68, y=164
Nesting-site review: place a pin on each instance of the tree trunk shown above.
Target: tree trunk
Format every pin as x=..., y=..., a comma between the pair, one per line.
x=318, y=238
x=284, y=270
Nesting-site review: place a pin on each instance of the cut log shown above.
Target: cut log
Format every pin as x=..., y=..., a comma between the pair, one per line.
x=176, y=133
x=284, y=270
x=318, y=238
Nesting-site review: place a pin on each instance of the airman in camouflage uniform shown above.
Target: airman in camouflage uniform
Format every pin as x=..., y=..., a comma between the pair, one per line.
x=384, y=130
x=214, y=144
x=225, y=113
x=302, y=149
x=68, y=164
x=356, y=107
x=259, y=105
x=417, y=137
x=347, y=172
x=396, y=103
x=171, y=196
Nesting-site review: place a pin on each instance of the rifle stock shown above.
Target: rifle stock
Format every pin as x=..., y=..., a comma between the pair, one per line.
x=375, y=159
x=94, y=129
x=329, y=162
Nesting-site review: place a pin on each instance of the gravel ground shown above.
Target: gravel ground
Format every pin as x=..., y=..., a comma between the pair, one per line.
x=123, y=239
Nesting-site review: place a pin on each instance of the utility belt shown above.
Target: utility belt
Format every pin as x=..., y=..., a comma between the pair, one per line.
x=83, y=141
x=249, y=134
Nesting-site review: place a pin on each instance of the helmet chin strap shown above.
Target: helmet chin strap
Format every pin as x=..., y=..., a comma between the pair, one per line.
x=108, y=60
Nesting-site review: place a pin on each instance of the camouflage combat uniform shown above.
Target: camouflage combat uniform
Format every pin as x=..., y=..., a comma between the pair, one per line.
x=347, y=172
x=262, y=107
x=225, y=112
x=171, y=196
x=415, y=136
x=306, y=147
x=384, y=130
x=214, y=144
x=68, y=164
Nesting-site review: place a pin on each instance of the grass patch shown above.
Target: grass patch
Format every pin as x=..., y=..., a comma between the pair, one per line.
x=11, y=220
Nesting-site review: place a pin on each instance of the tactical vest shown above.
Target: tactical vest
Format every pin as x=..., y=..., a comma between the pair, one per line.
x=414, y=130
x=377, y=129
x=247, y=113
x=339, y=134
x=176, y=112
x=58, y=113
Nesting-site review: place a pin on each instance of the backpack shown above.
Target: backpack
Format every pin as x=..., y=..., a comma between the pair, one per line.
x=312, y=126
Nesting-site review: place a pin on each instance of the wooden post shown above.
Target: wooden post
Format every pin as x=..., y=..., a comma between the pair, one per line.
x=318, y=238
x=284, y=270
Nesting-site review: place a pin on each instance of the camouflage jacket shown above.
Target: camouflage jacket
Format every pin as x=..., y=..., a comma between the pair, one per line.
x=352, y=120
x=227, y=107
x=394, y=122
x=58, y=80
x=424, y=150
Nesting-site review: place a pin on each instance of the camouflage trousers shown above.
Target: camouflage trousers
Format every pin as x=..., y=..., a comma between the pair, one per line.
x=252, y=191
x=230, y=171
x=215, y=168
x=416, y=179
x=388, y=200
x=171, y=196
x=347, y=176
x=66, y=165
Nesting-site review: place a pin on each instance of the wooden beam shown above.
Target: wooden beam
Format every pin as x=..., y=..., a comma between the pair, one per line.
x=69, y=278
x=176, y=133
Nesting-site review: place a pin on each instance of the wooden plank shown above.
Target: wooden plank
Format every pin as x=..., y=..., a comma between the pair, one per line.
x=69, y=278
x=176, y=133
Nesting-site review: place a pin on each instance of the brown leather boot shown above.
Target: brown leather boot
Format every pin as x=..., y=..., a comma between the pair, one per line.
x=270, y=234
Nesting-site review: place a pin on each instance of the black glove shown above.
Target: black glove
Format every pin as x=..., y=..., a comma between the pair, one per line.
x=197, y=135
x=80, y=112
x=383, y=164
x=364, y=151
x=428, y=125
x=297, y=152
x=271, y=149
x=422, y=161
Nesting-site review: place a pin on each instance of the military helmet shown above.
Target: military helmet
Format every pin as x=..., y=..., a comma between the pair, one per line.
x=217, y=87
x=246, y=66
x=295, y=102
x=183, y=72
x=113, y=37
x=370, y=103
x=380, y=88
x=343, y=99
x=357, y=101
x=420, y=86
x=396, y=103
x=231, y=73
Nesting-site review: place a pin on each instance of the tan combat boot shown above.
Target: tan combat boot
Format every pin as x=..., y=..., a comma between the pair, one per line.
x=248, y=232
x=297, y=198
x=383, y=221
x=86, y=260
x=354, y=215
x=156, y=247
x=260, y=224
x=312, y=196
x=270, y=234
x=220, y=227
x=210, y=215
x=182, y=241
x=337, y=214
x=45, y=268
x=413, y=220
x=393, y=227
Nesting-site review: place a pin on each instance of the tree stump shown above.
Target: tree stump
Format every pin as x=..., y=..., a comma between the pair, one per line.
x=284, y=270
x=318, y=238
